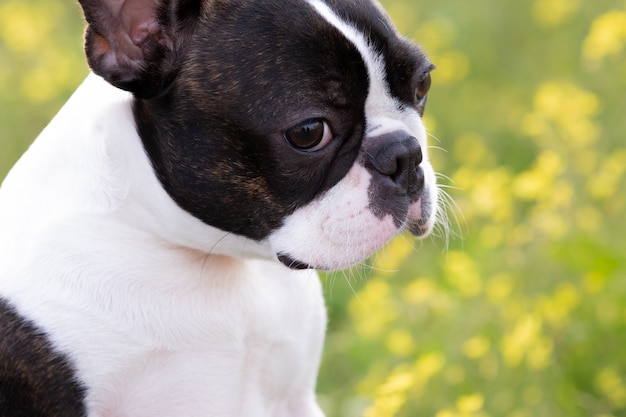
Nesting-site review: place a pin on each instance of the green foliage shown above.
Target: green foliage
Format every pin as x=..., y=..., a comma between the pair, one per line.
x=521, y=316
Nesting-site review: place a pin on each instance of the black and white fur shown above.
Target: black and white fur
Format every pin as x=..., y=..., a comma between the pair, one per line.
x=157, y=240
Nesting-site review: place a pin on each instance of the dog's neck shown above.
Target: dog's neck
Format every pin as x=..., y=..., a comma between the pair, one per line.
x=98, y=139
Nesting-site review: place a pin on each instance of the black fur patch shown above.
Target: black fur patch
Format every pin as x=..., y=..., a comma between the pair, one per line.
x=35, y=381
x=253, y=70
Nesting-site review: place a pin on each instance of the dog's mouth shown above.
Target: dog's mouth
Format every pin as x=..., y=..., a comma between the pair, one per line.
x=419, y=222
x=345, y=226
x=291, y=263
x=417, y=227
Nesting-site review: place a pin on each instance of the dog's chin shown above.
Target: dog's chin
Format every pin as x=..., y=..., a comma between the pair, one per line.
x=421, y=216
x=343, y=245
x=347, y=256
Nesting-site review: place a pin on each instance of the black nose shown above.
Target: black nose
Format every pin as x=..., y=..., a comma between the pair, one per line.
x=395, y=158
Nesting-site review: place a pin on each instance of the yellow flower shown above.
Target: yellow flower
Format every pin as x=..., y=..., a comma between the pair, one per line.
x=435, y=36
x=392, y=394
x=606, y=36
x=500, y=287
x=538, y=182
x=42, y=83
x=419, y=291
x=490, y=195
x=470, y=404
x=551, y=223
x=427, y=366
x=540, y=353
x=525, y=340
x=392, y=255
x=612, y=385
x=476, y=347
x=470, y=148
x=563, y=112
x=372, y=310
x=25, y=26
x=491, y=235
x=595, y=282
x=424, y=291
x=554, y=12
x=462, y=272
x=557, y=309
x=605, y=182
x=564, y=101
x=400, y=342
x=452, y=66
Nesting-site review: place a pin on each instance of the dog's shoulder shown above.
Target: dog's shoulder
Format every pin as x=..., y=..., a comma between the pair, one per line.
x=35, y=379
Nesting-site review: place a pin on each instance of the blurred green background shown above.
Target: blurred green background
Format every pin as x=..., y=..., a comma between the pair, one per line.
x=517, y=307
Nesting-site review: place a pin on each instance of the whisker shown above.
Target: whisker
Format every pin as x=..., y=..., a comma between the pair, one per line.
x=430, y=135
x=354, y=292
x=449, y=187
x=443, y=176
x=209, y=253
x=448, y=225
x=439, y=148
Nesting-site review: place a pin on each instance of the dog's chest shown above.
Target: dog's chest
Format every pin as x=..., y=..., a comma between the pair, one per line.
x=186, y=335
x=249, y=345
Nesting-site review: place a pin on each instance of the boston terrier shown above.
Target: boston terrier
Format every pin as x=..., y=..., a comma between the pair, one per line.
x=158, y=241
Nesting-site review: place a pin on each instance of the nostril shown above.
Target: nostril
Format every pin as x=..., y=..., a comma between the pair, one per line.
x=403, y=165
x=419, y=157
x=397, y=157
x=387, y=159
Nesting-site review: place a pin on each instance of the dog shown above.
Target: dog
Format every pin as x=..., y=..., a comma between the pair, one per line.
x=159, y=239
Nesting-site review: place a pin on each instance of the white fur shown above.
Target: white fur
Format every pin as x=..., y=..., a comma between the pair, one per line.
x=135, y=290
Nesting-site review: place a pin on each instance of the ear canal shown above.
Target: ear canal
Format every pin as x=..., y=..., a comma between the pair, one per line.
x=130, y=44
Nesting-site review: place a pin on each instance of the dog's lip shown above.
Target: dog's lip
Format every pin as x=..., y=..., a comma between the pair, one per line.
x=292, y=263
x=418, y=228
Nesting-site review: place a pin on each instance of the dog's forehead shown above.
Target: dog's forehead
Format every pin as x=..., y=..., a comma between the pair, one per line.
x=393, y=63
x=275, y=51
x=363, y=23
x=270, y=49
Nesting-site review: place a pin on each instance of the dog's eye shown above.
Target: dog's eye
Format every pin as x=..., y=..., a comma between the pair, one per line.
x=310, y=135
x=421, y=92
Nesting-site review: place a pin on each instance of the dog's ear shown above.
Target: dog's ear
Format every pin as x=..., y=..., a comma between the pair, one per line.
x=135, y=44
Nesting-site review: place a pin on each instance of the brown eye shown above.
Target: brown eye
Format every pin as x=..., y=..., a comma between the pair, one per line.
x=310, y=135
x=423, y=86
x=421, y=92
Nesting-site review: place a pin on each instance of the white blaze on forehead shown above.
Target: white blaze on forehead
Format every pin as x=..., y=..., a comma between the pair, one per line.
x=379, y=101
x=384, y=113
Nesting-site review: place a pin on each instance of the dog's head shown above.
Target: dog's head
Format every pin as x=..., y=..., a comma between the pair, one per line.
x=294, y=123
